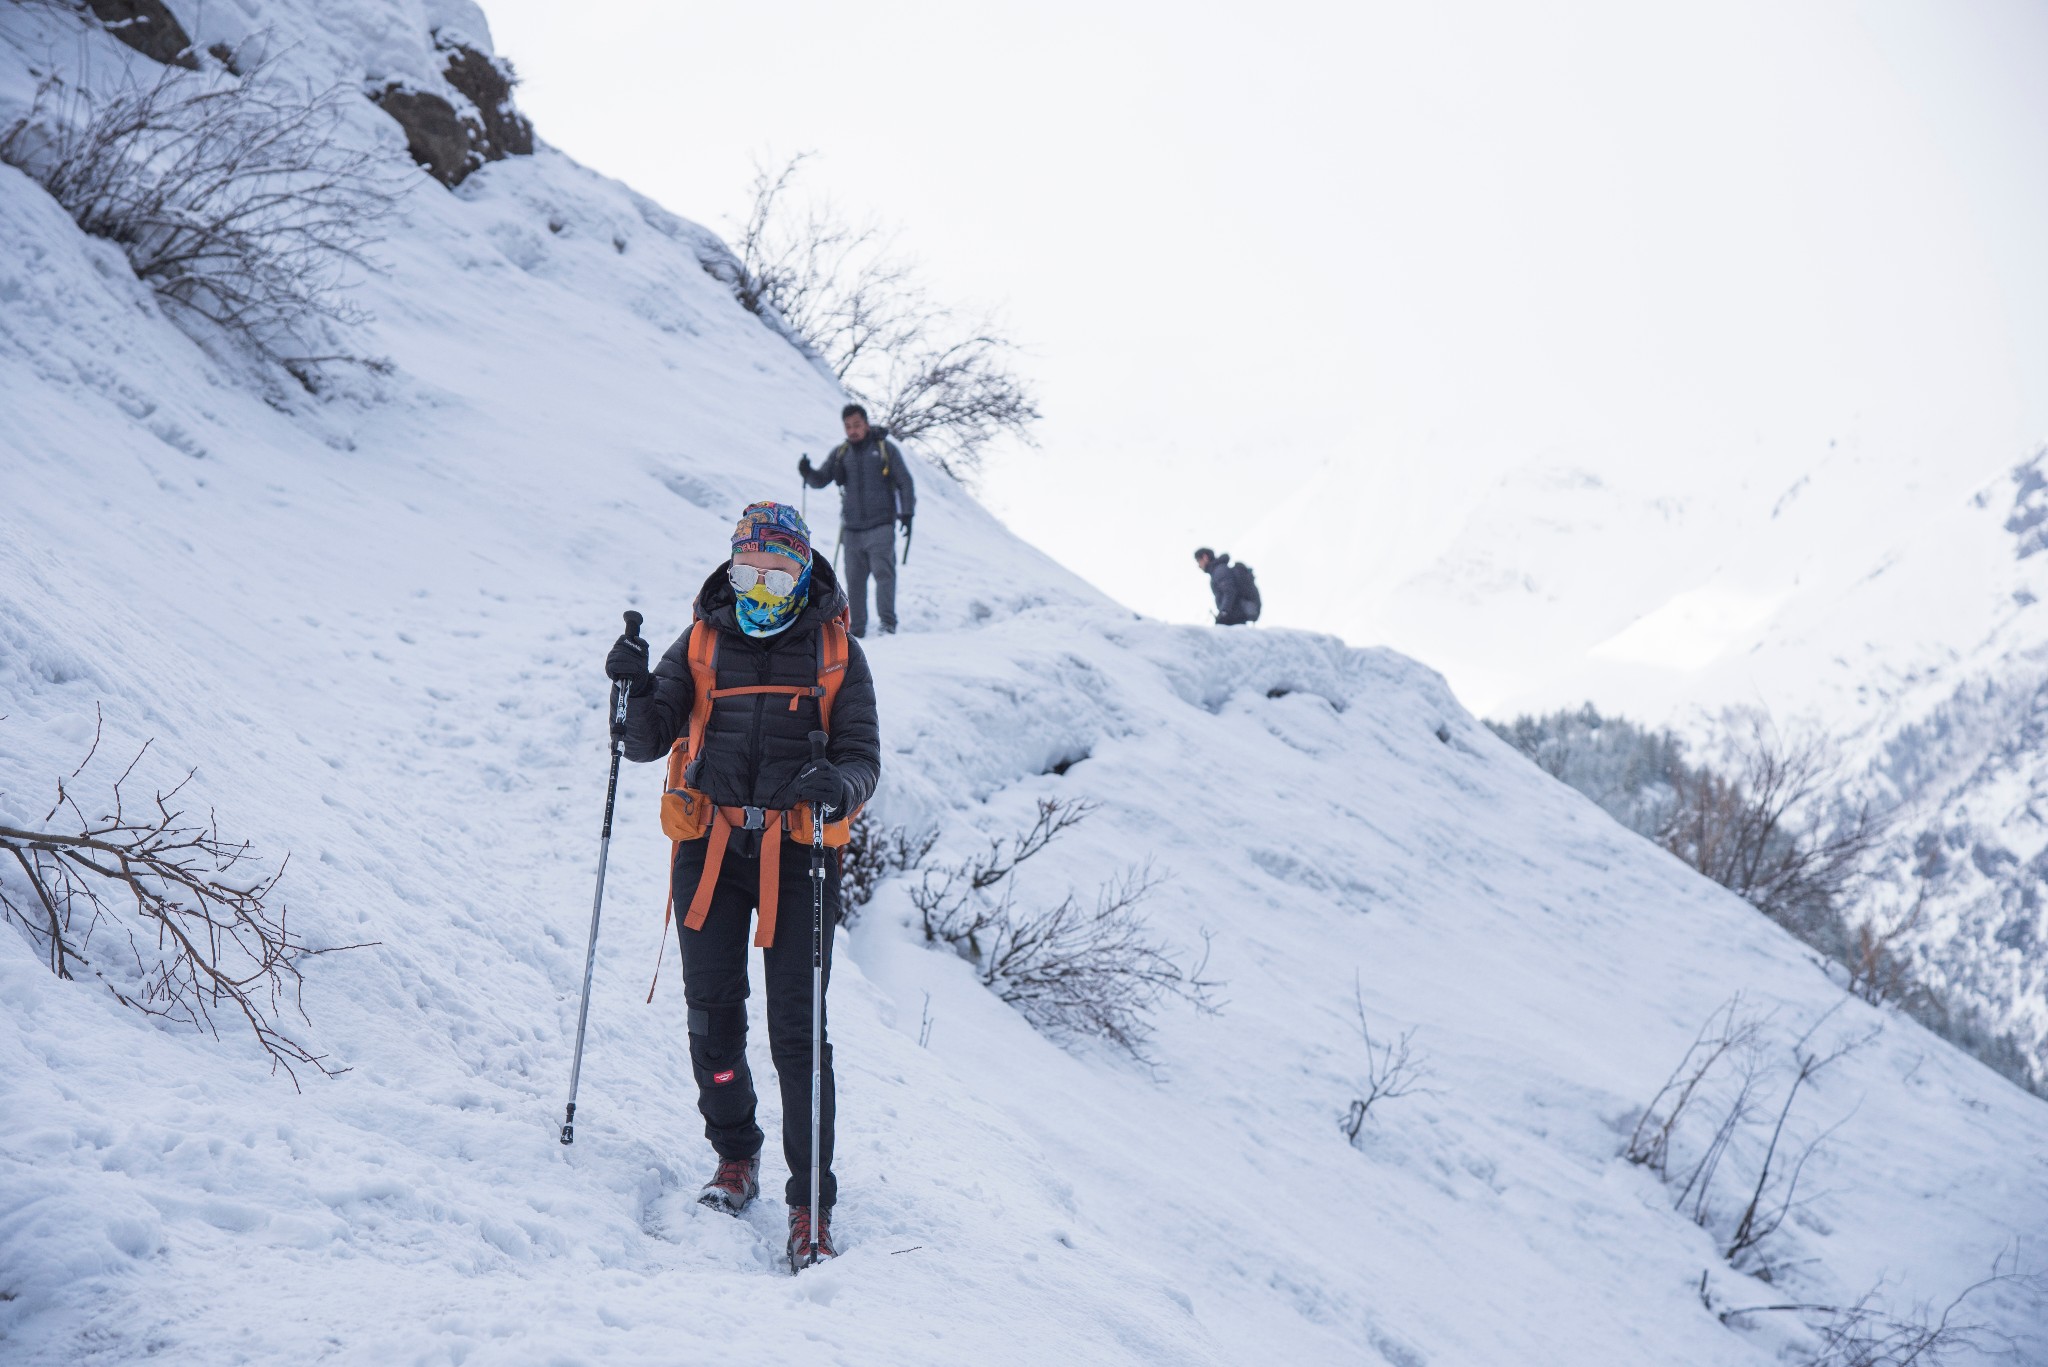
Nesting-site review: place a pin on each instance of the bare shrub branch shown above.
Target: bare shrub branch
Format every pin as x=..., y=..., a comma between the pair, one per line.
x=930, y=374
x=1766, y=825
x=1736, y=1110
x=1867, y=1333
x=1715, y=1101
x=943, y=897
x=1728, y=1032
x=1074, y=970
x=1077, y=971
x=1879, y=969
x=189, y=905
x=954, y=397
x=1392, y=1070
x=874, y=854
x=234, y=198
x=1763, y=814
x=1774, y=1196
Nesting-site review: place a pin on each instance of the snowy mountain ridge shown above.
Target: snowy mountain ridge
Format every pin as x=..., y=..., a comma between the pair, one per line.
x=1967, y=864
x=1919, y=644
x=375, y=620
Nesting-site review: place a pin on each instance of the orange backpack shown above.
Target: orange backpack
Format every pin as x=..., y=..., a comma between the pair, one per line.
x=687, y=814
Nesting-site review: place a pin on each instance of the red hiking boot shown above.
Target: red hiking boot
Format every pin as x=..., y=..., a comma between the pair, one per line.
x=737, y=1182
x=800, y=1252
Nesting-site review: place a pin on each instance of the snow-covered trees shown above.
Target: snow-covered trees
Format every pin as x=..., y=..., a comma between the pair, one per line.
x=1763, y=813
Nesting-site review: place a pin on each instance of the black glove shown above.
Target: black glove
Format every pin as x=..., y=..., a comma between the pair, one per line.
x=627, y=664
x=822, y=785
x=803, y=465
x=904, y=518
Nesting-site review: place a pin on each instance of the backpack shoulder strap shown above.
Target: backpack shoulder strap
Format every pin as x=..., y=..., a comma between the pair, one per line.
x=832, y=656
x=703, y=681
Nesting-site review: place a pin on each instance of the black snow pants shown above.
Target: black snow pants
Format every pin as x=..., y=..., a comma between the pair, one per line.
x=715, y=987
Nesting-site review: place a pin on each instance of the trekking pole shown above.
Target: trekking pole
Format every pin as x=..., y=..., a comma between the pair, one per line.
x=818, y=814
x=807, y=496
x=604, y=846
x=907, y=530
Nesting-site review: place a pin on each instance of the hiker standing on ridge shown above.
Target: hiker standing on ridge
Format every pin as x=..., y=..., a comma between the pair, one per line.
x=1236, y=592
x=876, y=492
x=733, y=704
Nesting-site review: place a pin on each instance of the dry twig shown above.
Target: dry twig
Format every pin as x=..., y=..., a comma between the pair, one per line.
x=1392, y=1070
x=192, y=906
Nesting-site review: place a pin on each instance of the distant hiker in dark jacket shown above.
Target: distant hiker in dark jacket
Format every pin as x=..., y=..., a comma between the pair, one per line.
x=771, y=611
x=875, y=493
x=1237, y=596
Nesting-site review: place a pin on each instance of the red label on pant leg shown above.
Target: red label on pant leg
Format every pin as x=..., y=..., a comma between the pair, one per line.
x=722, y=1078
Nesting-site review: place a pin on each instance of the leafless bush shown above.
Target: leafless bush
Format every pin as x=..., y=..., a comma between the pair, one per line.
x=1867, y=1333
x=1730, y=1036
x=876, y=852
x=234, y=198
x=1392, y=1070
x=1774, y=1195
x=1075, y=970
x=946, y=898
x=930, y=374
x=1763, y=813
x=1879, y=969
x=1767, y=825
x=1715, y=1101
x=189, y=906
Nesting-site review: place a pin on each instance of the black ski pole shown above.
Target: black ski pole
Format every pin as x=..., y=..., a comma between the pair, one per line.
x=604, y=846
x=818, y=815
x=907, y=529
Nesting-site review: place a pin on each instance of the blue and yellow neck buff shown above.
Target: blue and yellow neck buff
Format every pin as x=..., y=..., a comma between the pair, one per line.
x=780, y=530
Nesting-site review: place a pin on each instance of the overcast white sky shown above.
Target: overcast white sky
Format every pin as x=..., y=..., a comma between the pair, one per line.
x=1304, y=282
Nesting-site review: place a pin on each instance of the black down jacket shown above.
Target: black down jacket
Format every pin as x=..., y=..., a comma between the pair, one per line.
x=1231, y=608
x=876, y=487
x=756, y=745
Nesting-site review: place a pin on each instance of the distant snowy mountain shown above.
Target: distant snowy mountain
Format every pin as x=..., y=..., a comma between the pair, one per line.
x=374, y=614
x=1896, y=605
x=1962, y=745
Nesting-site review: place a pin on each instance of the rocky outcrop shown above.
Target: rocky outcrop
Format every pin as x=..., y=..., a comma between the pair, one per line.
x=453, y=137
x=150, y=28
x=487, y=83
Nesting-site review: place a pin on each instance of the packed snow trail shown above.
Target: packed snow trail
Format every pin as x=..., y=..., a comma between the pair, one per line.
x=377, y=624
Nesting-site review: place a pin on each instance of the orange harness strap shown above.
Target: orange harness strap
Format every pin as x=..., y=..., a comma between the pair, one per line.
x=796, y=692
x=724, y=821
x=703, y=657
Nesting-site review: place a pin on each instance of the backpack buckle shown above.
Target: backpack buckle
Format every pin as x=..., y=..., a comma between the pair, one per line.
x=753, y=818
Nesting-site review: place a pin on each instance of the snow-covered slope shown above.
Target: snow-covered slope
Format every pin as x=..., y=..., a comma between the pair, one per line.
x=376, y=624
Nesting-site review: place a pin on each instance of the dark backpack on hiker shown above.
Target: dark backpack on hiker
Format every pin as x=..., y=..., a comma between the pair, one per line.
x=1247, y=590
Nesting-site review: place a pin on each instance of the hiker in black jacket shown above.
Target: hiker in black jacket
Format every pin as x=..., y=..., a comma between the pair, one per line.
x=876, y=492
x=1236, y=604
x=754, y=764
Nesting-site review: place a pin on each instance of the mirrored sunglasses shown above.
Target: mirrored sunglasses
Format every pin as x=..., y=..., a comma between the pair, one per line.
x=781, y=583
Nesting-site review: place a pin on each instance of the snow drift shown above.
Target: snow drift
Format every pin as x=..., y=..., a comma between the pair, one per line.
x=376, y=622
